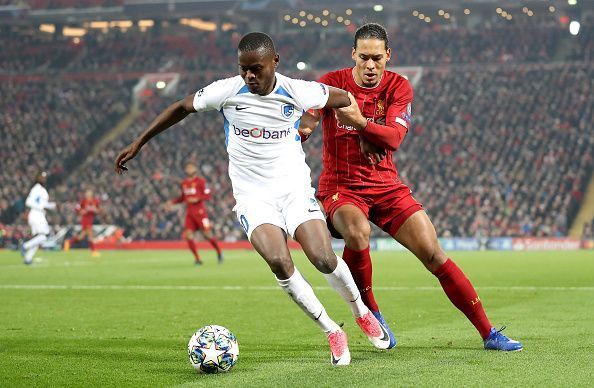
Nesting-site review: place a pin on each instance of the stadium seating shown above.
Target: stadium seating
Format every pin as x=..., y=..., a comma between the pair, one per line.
x=51, y=125
x=180, y=48
x=501, y=145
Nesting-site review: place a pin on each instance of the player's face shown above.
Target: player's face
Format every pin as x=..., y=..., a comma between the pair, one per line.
x=42, y=178
x=257, y=69
x=191, y=169
x=89, y=194
x=370, y=58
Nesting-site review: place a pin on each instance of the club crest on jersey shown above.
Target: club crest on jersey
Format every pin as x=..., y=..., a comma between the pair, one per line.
x=287, y=110
x=380, y=107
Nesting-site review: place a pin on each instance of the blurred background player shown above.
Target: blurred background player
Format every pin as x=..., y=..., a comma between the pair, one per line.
x=193, y=193
x=37, y=201
x=88, y=208
x=355, y=189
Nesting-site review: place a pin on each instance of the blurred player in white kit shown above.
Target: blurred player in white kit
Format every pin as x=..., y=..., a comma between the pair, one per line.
x=37, y=201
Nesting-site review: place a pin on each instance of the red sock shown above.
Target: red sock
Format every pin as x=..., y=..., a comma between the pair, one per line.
x=192, y=246
x=91, y=246
x=74, y=240
x=213, y=241
x=462, y=294
x=359, y=263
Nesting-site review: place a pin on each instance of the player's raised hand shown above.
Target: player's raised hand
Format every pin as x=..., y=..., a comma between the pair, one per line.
x=372, y=153
x=351, y=115
x=127, y=154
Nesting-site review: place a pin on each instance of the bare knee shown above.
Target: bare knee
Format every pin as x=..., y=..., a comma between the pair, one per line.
x=357, y=235
x=281, y=266
x=432, y=257
x=324, y=261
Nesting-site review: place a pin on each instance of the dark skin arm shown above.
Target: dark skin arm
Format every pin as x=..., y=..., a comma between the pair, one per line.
x=338, y=98
x=172, y=115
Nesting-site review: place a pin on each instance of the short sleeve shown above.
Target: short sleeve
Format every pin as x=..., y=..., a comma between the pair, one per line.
x=309, y=94
x=400, y=108
x=213, y=96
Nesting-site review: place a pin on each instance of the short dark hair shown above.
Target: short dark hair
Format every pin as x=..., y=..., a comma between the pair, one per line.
x=255, y=41
x=371, y=31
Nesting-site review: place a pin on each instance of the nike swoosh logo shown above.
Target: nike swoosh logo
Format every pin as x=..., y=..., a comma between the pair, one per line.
x=237, y=107
x=386, y=337
x=334, y=360
x=313, y=211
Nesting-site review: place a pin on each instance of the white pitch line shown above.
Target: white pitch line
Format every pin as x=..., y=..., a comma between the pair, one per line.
x=261, y=288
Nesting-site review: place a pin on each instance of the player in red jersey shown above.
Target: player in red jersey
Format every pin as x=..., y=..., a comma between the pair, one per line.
x=88, y=208
x=359, y=182
x=193, y=193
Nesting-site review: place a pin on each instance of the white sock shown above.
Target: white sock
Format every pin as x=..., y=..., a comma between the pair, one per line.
x=342, y=281
x=30, y=253
x=35, y=241
x=32, y=245
x=301, y=292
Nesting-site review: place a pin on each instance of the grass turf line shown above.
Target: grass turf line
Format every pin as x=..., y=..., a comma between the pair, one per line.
x=136, y=332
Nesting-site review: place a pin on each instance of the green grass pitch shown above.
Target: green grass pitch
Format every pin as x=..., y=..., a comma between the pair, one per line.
x=125, y=319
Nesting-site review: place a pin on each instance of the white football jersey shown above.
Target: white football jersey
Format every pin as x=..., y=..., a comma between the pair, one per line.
x=261, y=132
x=38, y=199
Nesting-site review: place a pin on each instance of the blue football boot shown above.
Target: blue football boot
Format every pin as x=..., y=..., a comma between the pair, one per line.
x=381, y=320
x=497, y=341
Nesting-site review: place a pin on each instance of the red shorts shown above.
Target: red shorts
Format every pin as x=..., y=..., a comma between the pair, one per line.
x=388, y=208
x=86, y=222
x=196, y=222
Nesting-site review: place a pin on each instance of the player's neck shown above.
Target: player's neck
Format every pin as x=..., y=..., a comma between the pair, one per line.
x=270, y=88
x=359, y=81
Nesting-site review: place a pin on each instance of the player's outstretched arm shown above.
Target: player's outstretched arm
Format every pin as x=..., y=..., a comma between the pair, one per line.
x=337, y=98
x=173, y=114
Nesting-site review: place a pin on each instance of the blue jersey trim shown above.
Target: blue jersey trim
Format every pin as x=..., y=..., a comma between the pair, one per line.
x=283, y=92
x=226, y=126
x=243, y=90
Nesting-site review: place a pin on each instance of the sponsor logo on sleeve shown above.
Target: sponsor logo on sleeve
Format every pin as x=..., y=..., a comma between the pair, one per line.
x=324, y=88
x=405, y=118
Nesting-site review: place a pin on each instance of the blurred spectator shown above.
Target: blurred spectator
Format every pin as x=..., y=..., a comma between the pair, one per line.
x=501, y=146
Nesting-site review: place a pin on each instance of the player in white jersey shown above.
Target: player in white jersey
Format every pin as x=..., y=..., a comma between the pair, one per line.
x=271, y=181
x=37, y=202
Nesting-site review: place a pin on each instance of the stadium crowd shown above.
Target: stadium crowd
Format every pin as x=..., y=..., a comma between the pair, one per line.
x=505, y=152
x=137, y=199
x=54, y=4
x=180, y=48
x=494, y=150
x=51, y=125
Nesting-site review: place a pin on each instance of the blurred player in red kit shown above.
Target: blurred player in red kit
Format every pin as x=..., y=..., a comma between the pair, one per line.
x=359, y=182
x=193, y=193
x=88, y=208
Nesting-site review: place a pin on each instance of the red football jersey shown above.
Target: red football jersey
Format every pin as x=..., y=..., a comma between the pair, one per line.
x=193, y=193
x=88, y=208
x=387, y=104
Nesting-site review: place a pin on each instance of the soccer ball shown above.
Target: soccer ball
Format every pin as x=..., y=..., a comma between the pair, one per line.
x=213, y=349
